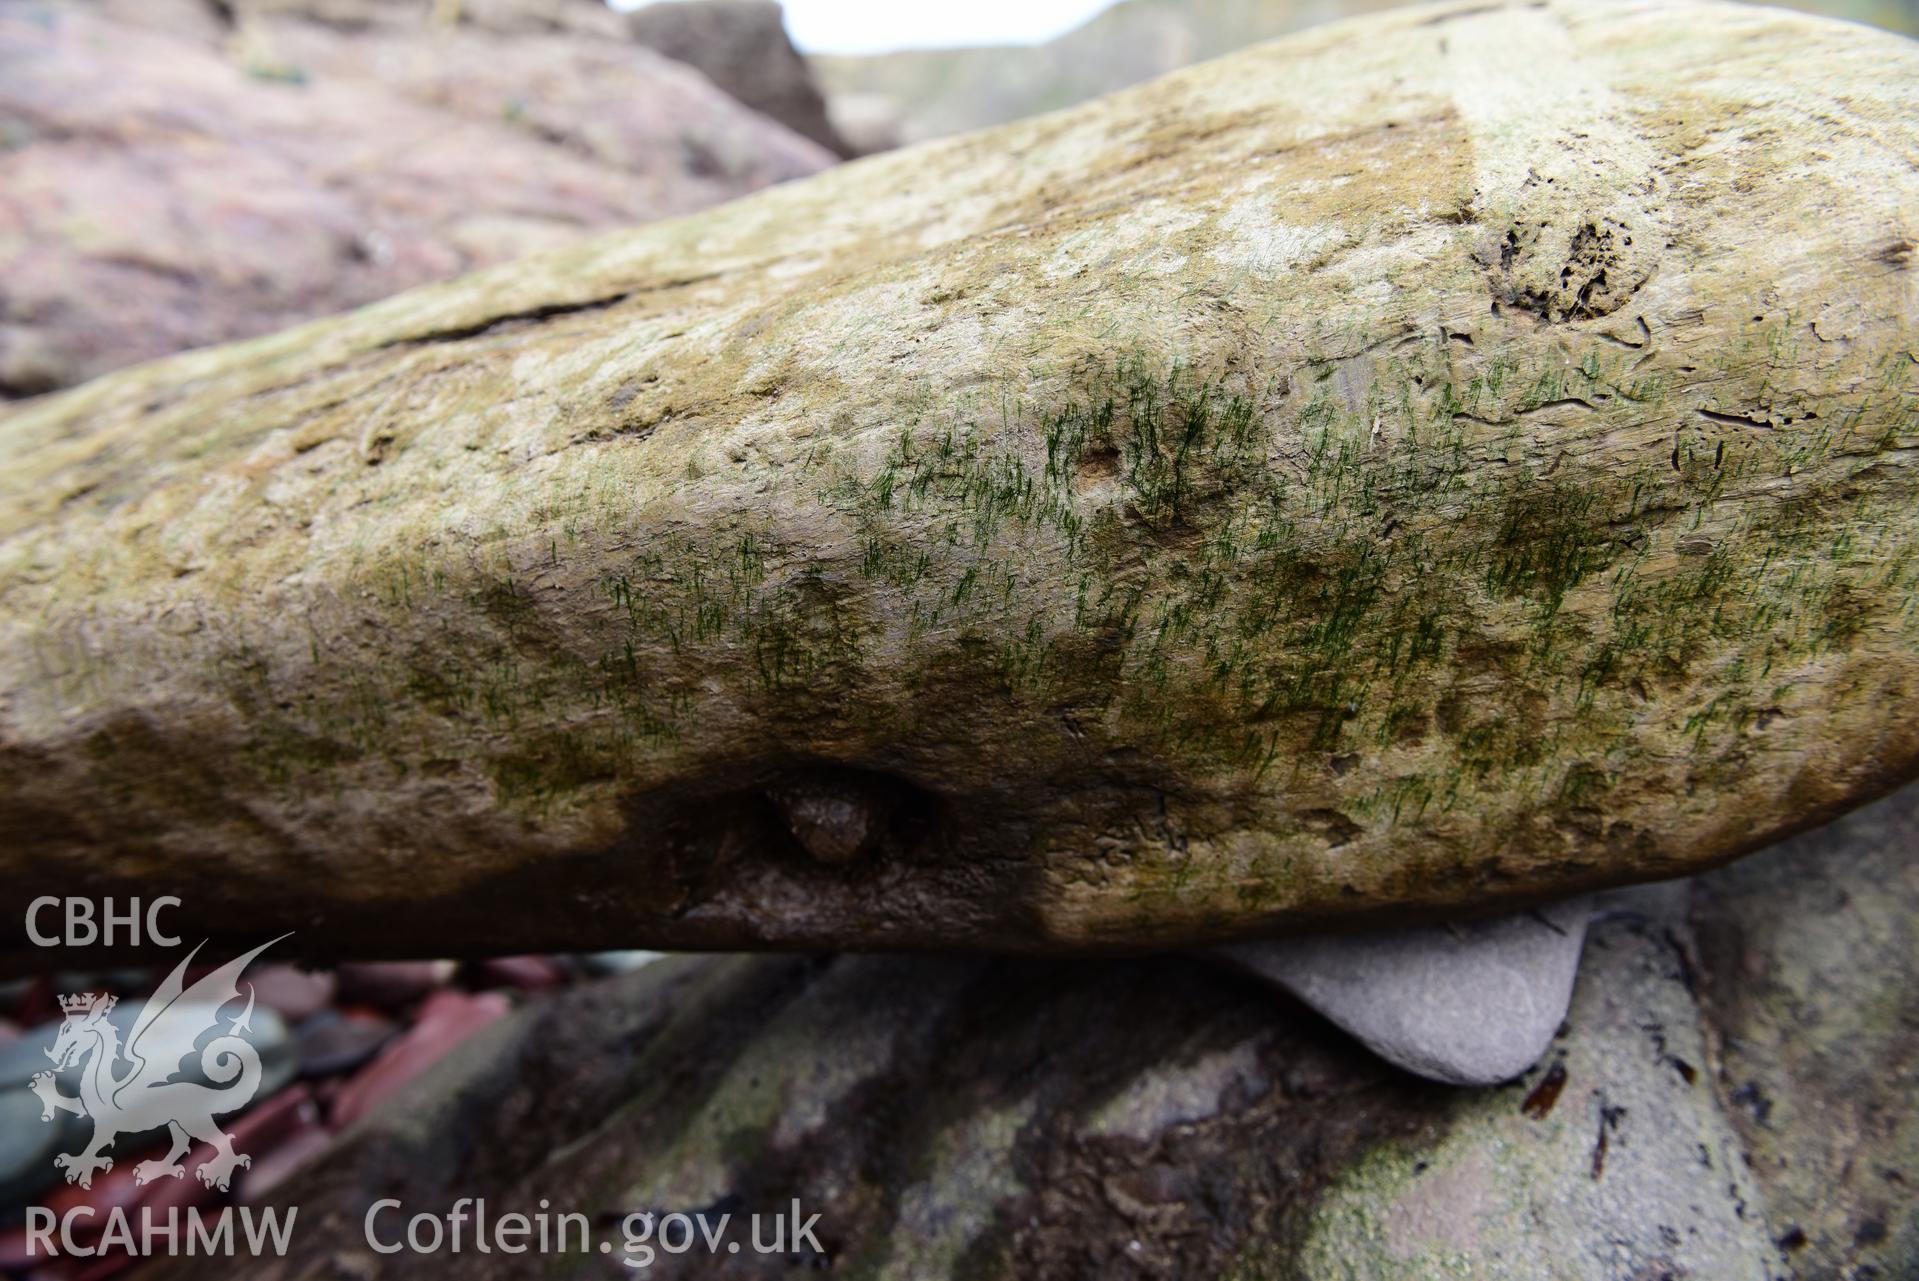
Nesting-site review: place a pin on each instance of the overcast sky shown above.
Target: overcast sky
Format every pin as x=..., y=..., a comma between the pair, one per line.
x=875, y=26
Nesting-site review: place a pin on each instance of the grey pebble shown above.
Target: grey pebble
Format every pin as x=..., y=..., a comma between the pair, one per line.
x=1472, y=1003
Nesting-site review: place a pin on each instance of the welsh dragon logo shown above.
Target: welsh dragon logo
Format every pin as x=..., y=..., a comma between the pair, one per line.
x=144, y=1096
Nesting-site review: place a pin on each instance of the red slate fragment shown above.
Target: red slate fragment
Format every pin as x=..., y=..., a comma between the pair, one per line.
x=273, y=1120
x=445, y=1020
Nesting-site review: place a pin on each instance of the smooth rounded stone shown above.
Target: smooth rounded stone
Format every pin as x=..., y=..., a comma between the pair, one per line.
x=335, y=1041
x=1471, y=1003
x=26, y=1054
x=269, y=1035
x=20, y=1061
x=1613, y=1160
x=393, y=985
x=1422, y=463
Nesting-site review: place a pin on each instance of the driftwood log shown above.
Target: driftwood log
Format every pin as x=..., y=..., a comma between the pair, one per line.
x=1435, y=461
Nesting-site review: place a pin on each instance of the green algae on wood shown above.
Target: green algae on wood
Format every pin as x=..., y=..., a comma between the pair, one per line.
x=1196, y=514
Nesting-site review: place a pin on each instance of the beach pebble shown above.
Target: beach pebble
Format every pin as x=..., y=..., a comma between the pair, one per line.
x=393, y=985
x=335, y=1041
x=1472, y=1003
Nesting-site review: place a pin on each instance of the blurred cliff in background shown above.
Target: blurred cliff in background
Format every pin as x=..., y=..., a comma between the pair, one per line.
x=175, y=173
x=906, y=97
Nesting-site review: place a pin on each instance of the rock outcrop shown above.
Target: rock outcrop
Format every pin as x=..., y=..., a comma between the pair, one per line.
x=171, y=181
x=911, y=95
x=884, y=100
x=988, y=1118
x=1416, y=467
x=1810, y=959
x=741, y=46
